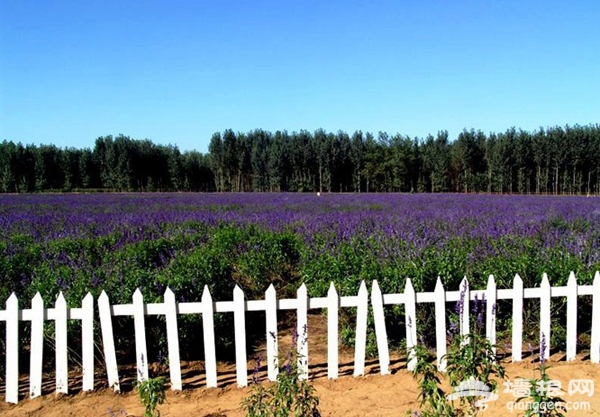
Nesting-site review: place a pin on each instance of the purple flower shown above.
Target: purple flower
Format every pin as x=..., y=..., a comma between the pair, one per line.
x=543, y=349
x=460, y=304
x=96, y=281
x=453, y=330
x=255, y=378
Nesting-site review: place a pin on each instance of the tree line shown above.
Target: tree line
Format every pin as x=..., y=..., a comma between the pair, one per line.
x=114, y=164
x=554, y=160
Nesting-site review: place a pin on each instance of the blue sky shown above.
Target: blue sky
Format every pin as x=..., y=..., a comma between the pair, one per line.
x=178, y=71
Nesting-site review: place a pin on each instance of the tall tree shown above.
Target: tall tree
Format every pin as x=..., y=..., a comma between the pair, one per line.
x=357, y=150
x=217, y=160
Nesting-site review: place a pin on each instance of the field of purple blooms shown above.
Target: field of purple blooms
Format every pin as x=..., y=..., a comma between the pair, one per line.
x=77, y=243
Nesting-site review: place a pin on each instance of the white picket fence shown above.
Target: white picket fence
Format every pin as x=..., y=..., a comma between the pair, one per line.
x=37, y=314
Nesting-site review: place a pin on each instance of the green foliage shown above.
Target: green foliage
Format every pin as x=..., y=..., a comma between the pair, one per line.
x=291, y=395
x=470, y=360
x=543, y=402
x=433, y=398
x=152, y=394
x=472, y=356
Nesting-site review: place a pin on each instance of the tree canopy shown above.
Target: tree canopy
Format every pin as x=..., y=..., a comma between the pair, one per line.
x=555, y=160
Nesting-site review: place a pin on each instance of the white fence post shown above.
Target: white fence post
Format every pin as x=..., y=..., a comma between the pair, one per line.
x=491, y=309
x=87, y=342
x=410, y=318
x=208, y=327
x=239, y=320
x=60, y=345
x=517, y=330
x=360, y=345
x=380, y=329
x=302, y=329
x=271, y=341
x=545, y=315
x=571, y=317
x=108, y=341
x=595, y=339
x=440, y=324
x=37, y=346
x=139, y=322
x=12, y=349
x=173, y=340
x=333, y=306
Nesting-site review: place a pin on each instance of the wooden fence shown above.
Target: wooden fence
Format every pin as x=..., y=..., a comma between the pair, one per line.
x=37, y=314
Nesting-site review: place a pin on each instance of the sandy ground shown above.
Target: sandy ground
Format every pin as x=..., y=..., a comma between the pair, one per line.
x=369, y=395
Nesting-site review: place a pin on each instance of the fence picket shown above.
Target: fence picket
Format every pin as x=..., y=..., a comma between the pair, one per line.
x=12, y=349
x=440, y=324
x=239, y=318
x=173, y=339
x=333, y=306
x=410, y=312
x=302, y=329
x=545, y=316
x=491, y=296
x=60, y=345
x=208, y=327
x=37, y=346
x=360, y=346
x=380, y=329
x=271, y=324
x=141, y=353
x=87, y=342
x=571, y=318
x=595, y=337
x=517, y=330
x=108, y=341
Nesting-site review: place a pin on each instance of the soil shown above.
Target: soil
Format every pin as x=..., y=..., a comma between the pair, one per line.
x=369, y=395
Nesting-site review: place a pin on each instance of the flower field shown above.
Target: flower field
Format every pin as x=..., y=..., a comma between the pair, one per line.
x=119, y=242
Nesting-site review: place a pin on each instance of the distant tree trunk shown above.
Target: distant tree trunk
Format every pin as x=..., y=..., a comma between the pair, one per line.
x=321, y=177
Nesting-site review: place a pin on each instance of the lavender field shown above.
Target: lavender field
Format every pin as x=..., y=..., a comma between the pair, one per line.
x=119, y=242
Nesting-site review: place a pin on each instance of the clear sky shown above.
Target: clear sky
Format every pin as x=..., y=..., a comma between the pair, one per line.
x=178, y=71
